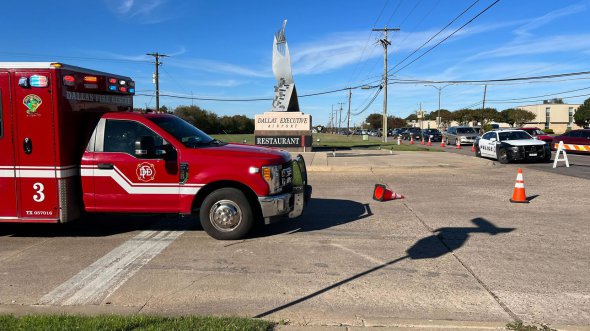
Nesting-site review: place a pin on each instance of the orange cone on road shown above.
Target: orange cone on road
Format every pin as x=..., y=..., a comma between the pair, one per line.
x=519, y=195
x=411, y=140
x=422, y=142
x=442, y=143
x=429, y=142
x=382, y=193
x=458, y=144
x=473, y=147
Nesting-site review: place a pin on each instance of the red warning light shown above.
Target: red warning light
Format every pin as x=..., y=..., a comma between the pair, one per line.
x=123, y=89
x=69, y=80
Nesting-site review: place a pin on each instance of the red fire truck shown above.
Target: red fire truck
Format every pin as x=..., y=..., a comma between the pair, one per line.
x=70, y=143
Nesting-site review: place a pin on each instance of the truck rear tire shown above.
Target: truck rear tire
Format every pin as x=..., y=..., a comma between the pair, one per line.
x=226, y=214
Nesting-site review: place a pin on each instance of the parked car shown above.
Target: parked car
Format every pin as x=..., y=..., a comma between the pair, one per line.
x=461, y=134
x=538, y=134
x=511, y=145
x=395, y=132
x=416, y=133
x=433, y=134
x=574, y=137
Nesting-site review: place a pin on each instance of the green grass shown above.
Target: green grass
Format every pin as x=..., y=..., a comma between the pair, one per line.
x=339, y=141
x=520, y=326
x=124, y=323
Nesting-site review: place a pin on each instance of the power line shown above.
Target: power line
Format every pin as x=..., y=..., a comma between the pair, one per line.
x=538, y=100
x=435, y=35
x=354, y=72
x=540, y=96
x=417, y=81
x=370, y=102
x=447, y=37
x=410, y=13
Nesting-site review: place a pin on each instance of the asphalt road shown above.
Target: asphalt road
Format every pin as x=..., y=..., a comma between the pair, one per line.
x=579, y=163
x=453, y=250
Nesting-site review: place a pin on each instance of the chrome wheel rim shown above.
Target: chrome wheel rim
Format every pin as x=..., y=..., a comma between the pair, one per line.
x=225, y=215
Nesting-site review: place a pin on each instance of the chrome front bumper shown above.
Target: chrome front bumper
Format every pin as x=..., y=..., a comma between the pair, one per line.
x=275, y=206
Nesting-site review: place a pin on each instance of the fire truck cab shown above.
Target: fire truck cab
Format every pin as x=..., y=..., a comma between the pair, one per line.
x=70, y=143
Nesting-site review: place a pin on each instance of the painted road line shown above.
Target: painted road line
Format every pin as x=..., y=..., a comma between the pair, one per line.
x=102, y=278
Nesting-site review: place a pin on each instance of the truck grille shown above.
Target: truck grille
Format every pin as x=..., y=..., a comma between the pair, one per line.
x=287, y=176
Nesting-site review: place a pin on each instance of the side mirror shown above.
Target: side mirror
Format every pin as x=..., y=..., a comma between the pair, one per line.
x=145, y=147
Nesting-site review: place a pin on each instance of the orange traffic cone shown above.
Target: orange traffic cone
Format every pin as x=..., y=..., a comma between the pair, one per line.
x=382, y=193
x=442, y=143
x=519, y=195
x=411, y=140
x=422, y=142
x=458, y=144
x=473, y=147
x=429, y=142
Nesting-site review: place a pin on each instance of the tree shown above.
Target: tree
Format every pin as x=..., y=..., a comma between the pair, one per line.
x=487, y=115
x=395, y=122
x=412, y=117
x=515, y=116
x=203, y=119
x=582, y=116
x=463, y=116
x=375, y=120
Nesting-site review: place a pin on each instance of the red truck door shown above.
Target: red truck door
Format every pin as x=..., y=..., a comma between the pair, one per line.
x=7, y=170
x=126, y=182
x=34, y=144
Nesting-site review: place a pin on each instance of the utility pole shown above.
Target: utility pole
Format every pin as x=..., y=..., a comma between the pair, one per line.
x=384, y=42
x=157, y=57
x=348, y=114
x=421, y=117
x=332, y=119
x=485, y=91
x=340, y=117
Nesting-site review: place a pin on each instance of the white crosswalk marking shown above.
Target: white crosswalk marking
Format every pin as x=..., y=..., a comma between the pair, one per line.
x=102, y=278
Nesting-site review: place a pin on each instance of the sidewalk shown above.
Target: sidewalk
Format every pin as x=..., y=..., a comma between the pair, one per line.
x=363, y=160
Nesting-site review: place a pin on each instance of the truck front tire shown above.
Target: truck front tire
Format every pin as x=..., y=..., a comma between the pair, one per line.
x=226, y=214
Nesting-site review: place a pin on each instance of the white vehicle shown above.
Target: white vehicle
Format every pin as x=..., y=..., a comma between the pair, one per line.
x=511, y=145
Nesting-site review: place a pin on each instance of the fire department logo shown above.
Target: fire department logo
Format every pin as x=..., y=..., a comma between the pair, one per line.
x=32, y=101
x=146, y=172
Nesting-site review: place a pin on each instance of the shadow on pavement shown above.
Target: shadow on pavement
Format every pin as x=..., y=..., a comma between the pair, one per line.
x=441, y=242
x=100, y=225
x=319, y=214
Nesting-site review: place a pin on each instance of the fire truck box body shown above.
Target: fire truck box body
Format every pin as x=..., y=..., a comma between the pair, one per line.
x=69, y=143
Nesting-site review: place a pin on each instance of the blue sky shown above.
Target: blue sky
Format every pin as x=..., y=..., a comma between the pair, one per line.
x=223, y=49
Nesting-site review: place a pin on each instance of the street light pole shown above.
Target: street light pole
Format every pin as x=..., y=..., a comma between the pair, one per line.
x=439, y=88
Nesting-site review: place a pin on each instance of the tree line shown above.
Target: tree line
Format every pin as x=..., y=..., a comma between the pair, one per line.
x=512, y=116
x=209, y=122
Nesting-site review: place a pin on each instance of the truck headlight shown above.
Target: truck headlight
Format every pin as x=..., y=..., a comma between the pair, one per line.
x=272, y=176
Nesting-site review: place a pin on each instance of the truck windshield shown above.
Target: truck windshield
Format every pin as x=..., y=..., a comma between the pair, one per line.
x=183, y=131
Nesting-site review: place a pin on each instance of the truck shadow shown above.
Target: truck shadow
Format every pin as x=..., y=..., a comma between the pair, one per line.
x=319, y=214
x=98, y=225
x=442, y=241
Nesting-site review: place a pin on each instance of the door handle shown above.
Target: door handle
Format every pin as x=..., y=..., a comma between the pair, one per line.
x=106, y=166
x=28, y=145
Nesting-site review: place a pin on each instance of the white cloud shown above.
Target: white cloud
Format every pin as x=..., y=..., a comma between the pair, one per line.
x=525, y=30
x=542, y=45
x=218, y=67
x=145, y=11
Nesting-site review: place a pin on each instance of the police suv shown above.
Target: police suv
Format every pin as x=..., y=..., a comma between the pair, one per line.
x=511, y=145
